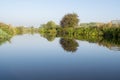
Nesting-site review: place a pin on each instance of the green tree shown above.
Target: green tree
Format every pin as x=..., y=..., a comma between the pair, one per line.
x=7, y=28
x=70, y=20
x=20, y=30
x=49, y=25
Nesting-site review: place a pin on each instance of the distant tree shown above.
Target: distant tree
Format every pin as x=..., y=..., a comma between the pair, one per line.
x=70, y=20
x=49, y=25
x=7, y=28
x=20, y=30
x=109, y=24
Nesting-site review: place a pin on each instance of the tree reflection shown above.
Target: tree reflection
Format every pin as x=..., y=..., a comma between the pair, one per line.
x=49, y=37
x=69, y=45
x=3, y=41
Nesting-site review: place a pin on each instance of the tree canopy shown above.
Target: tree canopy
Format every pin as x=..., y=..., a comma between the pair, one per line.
x=49, y=25
x=69, y=20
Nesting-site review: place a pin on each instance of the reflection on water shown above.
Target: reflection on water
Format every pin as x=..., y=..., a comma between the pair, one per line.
x=32, y=57
x=115, y=48
x=69, y=45
x=3, y=41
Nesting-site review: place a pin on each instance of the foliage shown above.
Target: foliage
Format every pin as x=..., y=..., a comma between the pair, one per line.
x=7, y=28
x=113, y=32
x=24, y=30
x=49, y=25
x=48, y=30
x=88, y=31
x=4, y=37
x=65, y=31
x=69, y=20
x=92, y=24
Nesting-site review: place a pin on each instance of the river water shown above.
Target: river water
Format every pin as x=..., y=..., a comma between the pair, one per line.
x=32, y=57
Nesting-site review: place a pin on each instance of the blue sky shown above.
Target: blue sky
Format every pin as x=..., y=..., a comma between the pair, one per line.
x=36, y=12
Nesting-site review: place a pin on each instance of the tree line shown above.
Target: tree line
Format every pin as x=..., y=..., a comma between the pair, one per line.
x=69, y=25
x=69, y=30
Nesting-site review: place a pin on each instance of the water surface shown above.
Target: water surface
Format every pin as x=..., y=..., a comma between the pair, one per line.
x=32, y=57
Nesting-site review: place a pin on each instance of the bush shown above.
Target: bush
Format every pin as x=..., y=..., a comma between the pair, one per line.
x=7, y=28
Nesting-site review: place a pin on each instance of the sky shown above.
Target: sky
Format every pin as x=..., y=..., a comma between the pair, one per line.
x=36, y=12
